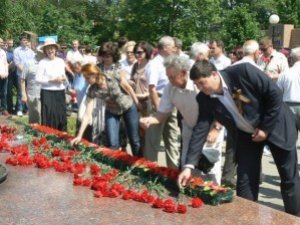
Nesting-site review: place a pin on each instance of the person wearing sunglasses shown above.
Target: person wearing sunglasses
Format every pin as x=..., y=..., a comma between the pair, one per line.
x=127, y=63
x=272, y=62
x=143, y=53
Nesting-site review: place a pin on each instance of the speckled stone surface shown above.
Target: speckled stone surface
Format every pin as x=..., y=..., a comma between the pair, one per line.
x=31, y=196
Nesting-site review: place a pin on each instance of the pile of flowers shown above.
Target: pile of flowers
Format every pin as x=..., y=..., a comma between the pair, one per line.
x=108, y=173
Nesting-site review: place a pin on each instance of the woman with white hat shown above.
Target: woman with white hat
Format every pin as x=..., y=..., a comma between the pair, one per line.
x=51, y=75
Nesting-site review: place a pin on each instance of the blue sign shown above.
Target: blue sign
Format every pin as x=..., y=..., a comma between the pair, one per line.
x=41, y=39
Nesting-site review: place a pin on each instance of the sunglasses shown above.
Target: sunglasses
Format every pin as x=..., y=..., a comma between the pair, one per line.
x=264, y=49
x=139, y=52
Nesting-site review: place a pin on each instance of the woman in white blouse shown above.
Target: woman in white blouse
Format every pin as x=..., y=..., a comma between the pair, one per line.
x=51, y=75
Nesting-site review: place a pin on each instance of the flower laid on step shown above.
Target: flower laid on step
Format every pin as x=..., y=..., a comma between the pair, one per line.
x=108, y=173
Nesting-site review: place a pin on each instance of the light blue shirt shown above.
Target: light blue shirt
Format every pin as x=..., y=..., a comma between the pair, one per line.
x=227, y=101
x=21, y=56
x=80, y=86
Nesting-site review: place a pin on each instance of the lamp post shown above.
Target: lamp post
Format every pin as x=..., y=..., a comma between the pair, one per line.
x=273, y=19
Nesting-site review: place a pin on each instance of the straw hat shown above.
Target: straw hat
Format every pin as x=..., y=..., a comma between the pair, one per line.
x=48, y=42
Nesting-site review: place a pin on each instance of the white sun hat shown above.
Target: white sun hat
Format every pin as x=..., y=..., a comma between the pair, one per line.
x=48, y=42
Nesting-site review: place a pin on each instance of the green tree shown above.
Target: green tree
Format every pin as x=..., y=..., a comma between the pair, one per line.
x=151, y=19
x=289, y=11
x=15, y=18
x=262, y=9
x=105, y=16
x=239, y=25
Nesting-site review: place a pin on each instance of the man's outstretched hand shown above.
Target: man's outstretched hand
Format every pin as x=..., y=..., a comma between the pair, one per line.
x=184, y=177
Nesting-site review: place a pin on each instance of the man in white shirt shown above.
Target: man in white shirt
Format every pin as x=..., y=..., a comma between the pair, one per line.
x=181, y=93
x=3, y=79
x=273, y=63
x=21, y=55
x=217, y=52
x=74, y=53
x=289, y=83
x=157, y=81
x=251, y=53
x=88, y=57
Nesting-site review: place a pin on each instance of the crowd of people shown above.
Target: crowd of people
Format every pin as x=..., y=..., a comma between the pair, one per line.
x=191, y=101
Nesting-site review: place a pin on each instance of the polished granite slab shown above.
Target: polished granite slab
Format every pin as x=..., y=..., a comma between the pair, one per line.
x=31, y=196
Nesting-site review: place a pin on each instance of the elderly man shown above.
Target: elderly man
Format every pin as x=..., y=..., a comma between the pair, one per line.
x=289, y=83
x=249, y=105
x=273, y=63
x=199, y=51
x=251, y=53
x=30, y=89
x=157, y=80
x=181, y=93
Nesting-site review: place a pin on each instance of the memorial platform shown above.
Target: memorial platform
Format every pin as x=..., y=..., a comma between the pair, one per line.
x=31, y=196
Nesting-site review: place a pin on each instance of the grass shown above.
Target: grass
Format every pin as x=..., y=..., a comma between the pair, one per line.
x=71, y=122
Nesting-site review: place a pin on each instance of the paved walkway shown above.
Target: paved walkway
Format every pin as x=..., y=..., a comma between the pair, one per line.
x=270, y=189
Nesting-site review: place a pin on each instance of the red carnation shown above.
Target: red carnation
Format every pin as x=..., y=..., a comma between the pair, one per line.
x=64, y=158
x=197, y=202
x=60, y=167
x=127, y=195
x=79, y=168
x=86, y=182
x=118, y=187
x=77, y=181
x=146, y=197
x=99, y=185
x=24, y=161
x=150, y=199
x=94, y=169
x=43, y=140
x=72, y=153
x=158, y=203
x=169, y=206
x=181, y=208
x=113, y=194
x=98, y=194
x=71, y=169
x=42, y=163
x=105, y=193
x=137, y=197
x=12, y=161
x=56, y=152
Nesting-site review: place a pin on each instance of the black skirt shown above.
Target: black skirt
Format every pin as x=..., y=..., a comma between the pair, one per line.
x=53, y=109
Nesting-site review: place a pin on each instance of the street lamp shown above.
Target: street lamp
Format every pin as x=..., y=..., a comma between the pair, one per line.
x=273, y=19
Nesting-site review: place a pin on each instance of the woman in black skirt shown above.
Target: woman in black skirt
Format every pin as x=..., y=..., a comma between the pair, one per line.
x=51, y=75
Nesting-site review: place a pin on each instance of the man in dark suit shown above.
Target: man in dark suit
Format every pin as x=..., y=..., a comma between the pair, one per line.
x=249, y=105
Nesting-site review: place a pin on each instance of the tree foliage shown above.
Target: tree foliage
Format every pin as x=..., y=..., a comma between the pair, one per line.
x=239, y=25
x=96, y=21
